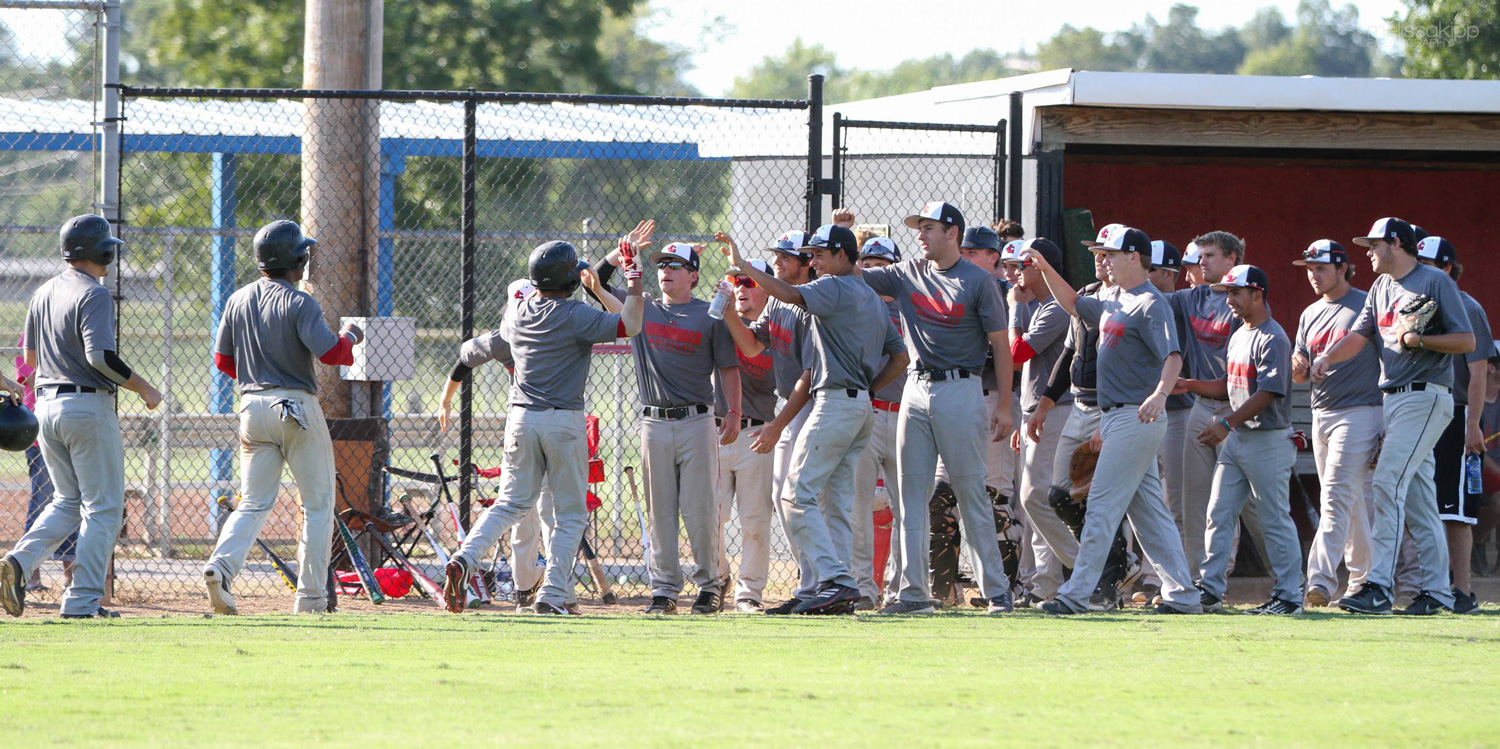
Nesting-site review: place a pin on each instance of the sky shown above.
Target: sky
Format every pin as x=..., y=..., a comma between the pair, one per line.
x=877, y=34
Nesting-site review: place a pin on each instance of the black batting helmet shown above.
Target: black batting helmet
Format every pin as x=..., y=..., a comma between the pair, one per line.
x=555, y=266
x=87, y=237
x=281, y=245
x=18, y=425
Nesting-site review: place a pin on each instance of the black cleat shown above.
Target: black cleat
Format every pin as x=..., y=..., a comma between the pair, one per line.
x=1212, y=604
x=1167, y=608
x=1057, y=608
x=832, y=598
x=455, y=585
x=1372, y=598
x=12, y=586
x=1425, y=605
x=783, y=608
x=1029, y=600
x=1001, y=604
x=909, y=607
x=708, y=602
x=546, y=609
x=527, y=597
x=661, y=605
x=1464, y=603
x=99, y=613
x=1275, y=607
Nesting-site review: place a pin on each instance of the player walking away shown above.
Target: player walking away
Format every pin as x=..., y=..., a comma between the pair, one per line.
x=551, y=339
x=70, y=340
x=674, y=364
x=1346, y=423
x=850, y=332
x=1257, y=454
x=1457, y=507
x=951, y=313
x=745, y=476
x=267, y=340
x=1416, y=380
x=36, y=469
x=1136, y=369
x=782, y=330
x=1037, y=347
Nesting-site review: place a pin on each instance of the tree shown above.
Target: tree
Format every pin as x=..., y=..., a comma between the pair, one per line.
x=1450, y=38
x=1181, y=47
x=641, y=65
x=785, y=77
x=1326, y=42
x=1090, y=49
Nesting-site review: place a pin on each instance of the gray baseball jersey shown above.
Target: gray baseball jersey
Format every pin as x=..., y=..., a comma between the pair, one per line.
x=485, y=348
x=1377, y=322
x=552, y=341
x=946, y=315
x=1209, y=325
x=1484, y=348
x=1180, y=401
x=1045, y=332
x=677, y=351
x=892, y=392
x=851, y=329
x=757, y=386
x=1351, y=383
x=273, y=332
x=69, y=316
x=1260, y=358
x=1019, y=316
x=1135, y=338
x=783, y=329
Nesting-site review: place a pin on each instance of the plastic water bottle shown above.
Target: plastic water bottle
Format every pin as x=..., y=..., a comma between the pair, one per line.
x=1473, y=474
x=719, y=303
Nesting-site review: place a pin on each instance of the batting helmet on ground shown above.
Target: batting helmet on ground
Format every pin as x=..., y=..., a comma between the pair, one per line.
x=87, y=237
x=18, y=425
x=281, y=245
x=555, y=266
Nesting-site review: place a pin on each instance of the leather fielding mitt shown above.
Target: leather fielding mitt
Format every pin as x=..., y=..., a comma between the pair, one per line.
x=1416, y=317
x=1081, y=471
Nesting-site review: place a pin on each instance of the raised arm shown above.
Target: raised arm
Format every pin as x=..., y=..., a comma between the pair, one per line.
x=773, y=285
x=1061, y=290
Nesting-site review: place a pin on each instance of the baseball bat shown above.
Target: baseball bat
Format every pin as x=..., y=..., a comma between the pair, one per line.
x=596, y=571
x=288, y=575
x=640, y=516
x=437, y=548
x=425, y=584
x=477, y=580
x=361, y=565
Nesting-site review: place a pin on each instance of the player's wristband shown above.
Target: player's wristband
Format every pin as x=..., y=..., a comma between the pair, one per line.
x=1227, y=427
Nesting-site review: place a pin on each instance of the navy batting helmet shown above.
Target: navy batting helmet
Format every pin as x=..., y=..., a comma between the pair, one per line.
x=87, y=237
x=281, y=245
x=554, y=266
x=18, y=425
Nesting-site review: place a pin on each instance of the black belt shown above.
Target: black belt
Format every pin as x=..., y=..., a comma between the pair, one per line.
x=1107, y=409
x=943, y=375
x=851, y=392
x=745, y=423
x=66, y=389
x=680, y=412
x=1415, y=387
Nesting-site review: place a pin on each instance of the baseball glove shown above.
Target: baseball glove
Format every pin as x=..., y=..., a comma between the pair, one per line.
x=1415, y=316
x=1081, y=471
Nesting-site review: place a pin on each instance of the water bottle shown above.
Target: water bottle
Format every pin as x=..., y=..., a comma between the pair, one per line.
x=1473, y=474
x=720, y=301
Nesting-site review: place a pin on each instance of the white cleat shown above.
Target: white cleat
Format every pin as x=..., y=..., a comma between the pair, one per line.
x=218, y=593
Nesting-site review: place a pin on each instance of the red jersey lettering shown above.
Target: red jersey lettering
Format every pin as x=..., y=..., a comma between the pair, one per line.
x=1324, y=341
x=1210, y=332
x=1110, y=332
x=668, y=338
x=1240, y=374
x=937, y=311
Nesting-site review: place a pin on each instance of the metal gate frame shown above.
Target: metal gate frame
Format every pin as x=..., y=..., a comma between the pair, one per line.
x=1002, y=158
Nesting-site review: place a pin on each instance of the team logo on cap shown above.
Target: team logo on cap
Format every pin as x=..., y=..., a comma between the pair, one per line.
x=518, y=290
x=933, y=210
x=881, y=247
x=1429, y=247
x=1011, y=252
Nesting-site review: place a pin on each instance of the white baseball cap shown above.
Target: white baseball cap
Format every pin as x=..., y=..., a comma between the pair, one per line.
x=1190, y=256
x=517, y=292
x=679, y=251
x=1011, y=252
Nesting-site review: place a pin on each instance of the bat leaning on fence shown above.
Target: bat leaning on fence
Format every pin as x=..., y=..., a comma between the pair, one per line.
x=288, y=575
x=361, y=566
x=640, y=516
x=425, y=584
x=478, y=579
x=596, y=571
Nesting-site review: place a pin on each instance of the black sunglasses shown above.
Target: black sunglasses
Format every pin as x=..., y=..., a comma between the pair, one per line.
x=671, y=264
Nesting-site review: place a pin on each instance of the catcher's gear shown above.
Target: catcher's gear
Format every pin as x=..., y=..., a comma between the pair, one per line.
x=281, y=245
x=1068, y=510
x=1415, y=317
x=87, y=237
x=1007, y=532
x=554, y=266
x=1081, y=471
x=18, y=426
x=945, y=537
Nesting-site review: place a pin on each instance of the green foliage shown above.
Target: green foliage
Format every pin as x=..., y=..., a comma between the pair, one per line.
x=1326, y=42
x=1091, y=49
x=1450, y=38
x=785, y=76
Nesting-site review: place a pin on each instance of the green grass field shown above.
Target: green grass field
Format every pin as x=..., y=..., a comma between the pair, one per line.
x=957, y=678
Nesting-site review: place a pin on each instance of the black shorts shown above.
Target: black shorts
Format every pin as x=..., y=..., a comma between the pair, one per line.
x=1454, y=504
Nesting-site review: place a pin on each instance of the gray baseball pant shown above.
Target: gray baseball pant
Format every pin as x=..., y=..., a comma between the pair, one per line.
x=532, y=538
x=879, y=458
x=680, y=464
x=81, y=445
x=1344, y=440
x=744, y=482
x=542, y=447
x=823, y=463
x=1053, y=544
x=1198, y=467
x=269, y=441
x=1127, y=485
x=1254, y=463
x=1404, y=492
x=946, y=419
x=807, y=583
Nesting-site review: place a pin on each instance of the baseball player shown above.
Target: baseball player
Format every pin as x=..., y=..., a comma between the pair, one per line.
x=1009, y=230
x=41, y=483
x=745, y=476
x=1257, y=453
x=782, y=329
x=951, y=314
x=1192, y=267
x=674, y=364
x=70, y=340
x=850, y=331
x=1037, y=347
x=1166, y=265
x=1137, y=366
x=1457, y=507
x=1346, y=422
x=1416, y=380
x=551, y=339
x=267, y=339
x=880, y=455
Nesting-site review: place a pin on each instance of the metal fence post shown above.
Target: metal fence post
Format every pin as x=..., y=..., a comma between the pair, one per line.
x=814, y=151
x=466, y=299
x=113, y=19
x=1013, y=160
x=1000, y=171
x=836, y=174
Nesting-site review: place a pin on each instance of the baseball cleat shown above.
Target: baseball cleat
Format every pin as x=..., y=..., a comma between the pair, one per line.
x=1316, y=598
x=1029, y=600
x=783, y=608
x=1212, y=604
x=909, y=607
x=708, y=602
x=99, y=613
x=749, y=607
x=1464, y=603
x=1168, y=609
x=865, y=603
x=546, y=609
x=525, y=598
x=1372, y=598
x=1001, y=604
x=12, y=586
x=1055, y=607
x=661, y=605
x=1133, y=571
x=455, y=585
x=832, y=598
x=219, y=596
x=1105, y=598
x=1275, y=607
x=1426, y=605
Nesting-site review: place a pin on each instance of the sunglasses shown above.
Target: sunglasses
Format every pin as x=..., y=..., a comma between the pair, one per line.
x=745, y=282
x=671, y=265
x=1315, y=254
